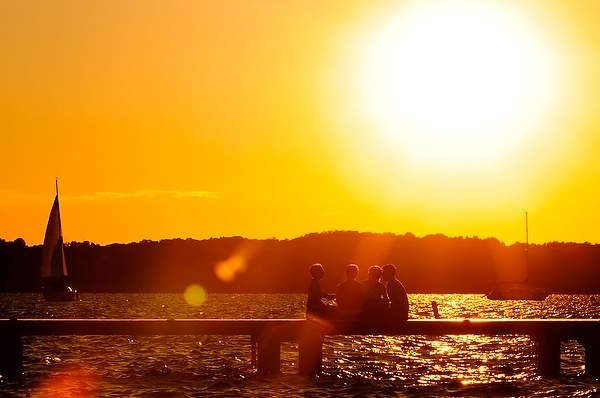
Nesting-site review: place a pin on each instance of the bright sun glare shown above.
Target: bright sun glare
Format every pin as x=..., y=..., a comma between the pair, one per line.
x=453, y=83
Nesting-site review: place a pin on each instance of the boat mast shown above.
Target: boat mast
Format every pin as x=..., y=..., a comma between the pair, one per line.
x=527, y=245
x=59, y=220
x=526, y=229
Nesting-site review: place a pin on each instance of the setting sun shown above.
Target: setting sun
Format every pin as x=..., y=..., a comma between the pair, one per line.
x=456, y=83
x=454, y=115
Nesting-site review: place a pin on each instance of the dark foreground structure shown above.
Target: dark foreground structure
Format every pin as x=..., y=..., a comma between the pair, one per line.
x=267, y=335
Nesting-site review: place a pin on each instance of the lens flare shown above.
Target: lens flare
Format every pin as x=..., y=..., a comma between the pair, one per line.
x=226, y=270
x=237, y=262
x=69, y=382
x=195, y=295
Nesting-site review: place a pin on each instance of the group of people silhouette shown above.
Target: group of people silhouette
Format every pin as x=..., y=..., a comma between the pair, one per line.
x=369, y=300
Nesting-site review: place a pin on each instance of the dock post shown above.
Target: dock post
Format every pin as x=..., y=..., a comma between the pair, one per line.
x=269, y=353
x=592, y=357
x=253, y=345
x=11, y=350
x=548, y=356
x=310, y=350
x=434, y=306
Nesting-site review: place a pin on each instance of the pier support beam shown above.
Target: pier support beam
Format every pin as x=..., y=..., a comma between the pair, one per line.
x=548, y=356
x=269, y=353
x=253, y=345
x=11, y=350
x=592, y=357
x=310, y=351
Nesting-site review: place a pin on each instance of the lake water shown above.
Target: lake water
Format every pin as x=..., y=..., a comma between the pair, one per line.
x=220, y=366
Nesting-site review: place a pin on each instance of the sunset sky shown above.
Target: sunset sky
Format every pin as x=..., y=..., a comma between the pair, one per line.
x=200, y=119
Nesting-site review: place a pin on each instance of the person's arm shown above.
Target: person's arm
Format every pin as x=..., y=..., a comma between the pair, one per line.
x=314, y=292
x=403, y=300
x=384, y=295
x=337, y=295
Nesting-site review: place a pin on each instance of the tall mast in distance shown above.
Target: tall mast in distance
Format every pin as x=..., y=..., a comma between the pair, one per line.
x=526, y=228
x=527, y=245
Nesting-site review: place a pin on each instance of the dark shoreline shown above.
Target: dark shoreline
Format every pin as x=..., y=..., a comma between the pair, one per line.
x=431, y=264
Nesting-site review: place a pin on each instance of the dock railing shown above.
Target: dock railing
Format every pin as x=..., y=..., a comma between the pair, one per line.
x=267, y=335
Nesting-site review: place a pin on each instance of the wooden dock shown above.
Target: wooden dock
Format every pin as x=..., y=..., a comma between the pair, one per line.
x=268, y=334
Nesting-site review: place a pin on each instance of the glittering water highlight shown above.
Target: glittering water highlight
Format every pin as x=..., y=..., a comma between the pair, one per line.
x=220, y=366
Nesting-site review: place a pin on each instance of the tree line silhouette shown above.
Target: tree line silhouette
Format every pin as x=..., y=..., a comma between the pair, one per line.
x=430, y=264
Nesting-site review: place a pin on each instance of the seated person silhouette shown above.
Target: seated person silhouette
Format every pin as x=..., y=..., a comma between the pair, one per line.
x=349, y=295
x=315, y=307
x=376, y=304
x=396, y=293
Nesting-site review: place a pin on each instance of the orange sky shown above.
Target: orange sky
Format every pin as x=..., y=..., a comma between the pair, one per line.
x=279, y=118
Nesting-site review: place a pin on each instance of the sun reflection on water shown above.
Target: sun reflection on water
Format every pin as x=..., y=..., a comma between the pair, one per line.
x=425, y=365
x=460, y=359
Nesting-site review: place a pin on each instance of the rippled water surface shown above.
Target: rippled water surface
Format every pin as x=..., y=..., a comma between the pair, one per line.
x=190, y=366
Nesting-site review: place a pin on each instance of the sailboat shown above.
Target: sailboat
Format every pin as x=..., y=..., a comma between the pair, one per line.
x=53, y=271
x=518, y=290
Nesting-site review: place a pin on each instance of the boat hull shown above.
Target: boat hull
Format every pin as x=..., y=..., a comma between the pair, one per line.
x=61, y=296
x=517, y=295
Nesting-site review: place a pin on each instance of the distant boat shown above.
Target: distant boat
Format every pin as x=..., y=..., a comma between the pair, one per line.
x=520, y=290
x=517, y=291
x=53, y=271
x=517, y=294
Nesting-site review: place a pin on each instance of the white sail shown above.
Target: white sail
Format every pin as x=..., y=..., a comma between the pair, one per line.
x=53, y=254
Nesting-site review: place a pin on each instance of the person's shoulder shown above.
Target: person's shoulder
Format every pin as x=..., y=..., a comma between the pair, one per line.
x=395, y=283
x=356, y=284
x=400, y=283
x=399, y=286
